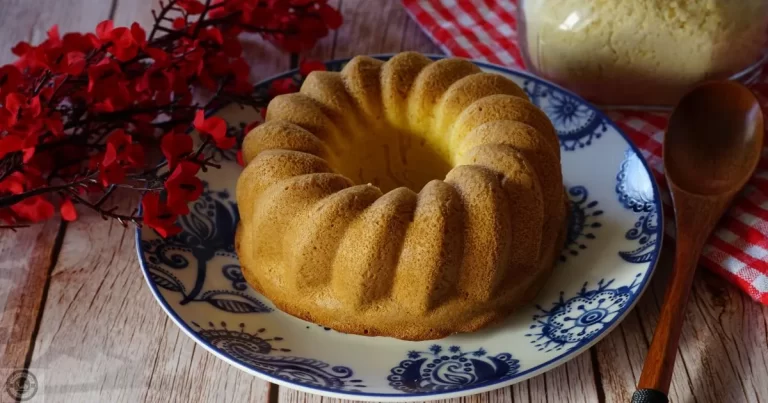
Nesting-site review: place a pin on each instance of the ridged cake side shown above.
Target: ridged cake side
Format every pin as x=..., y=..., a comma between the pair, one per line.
x=461, y=253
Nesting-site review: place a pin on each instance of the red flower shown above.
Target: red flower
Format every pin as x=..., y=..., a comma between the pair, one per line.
x=34, y=209
x=67, y=208
x=77, y=42
x=79, y=105
x=178, y=23
x=30, y=56
x=54, y=124
x=241, y=72
x=13, y=183
x=54, y=40
x=175, y=146
x=7, y=216
x=158, y=55
x=215, y=127
x=75, y=63
x=124, y=46
x=183, y=186
x=158, y=216
x=10, y=78
x=120, y=153
x=212, y=34
x=330, y=16
x=104, y=30
x=9, y=144
x=308, y=65
x=21, y=108
x=120, y=148
x=109, y=174
x=282, y=86
x=139, y=35
x=191, y=6
x=103, y=77
x=156, y=79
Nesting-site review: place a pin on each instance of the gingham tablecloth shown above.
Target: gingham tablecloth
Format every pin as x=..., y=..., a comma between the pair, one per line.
x=487, y=30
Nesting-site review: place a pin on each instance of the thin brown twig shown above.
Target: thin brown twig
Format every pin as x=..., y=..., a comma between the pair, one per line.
x=122, y=218
x=14, y=227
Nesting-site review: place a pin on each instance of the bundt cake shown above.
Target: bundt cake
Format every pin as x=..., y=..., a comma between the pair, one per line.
x=407, y=198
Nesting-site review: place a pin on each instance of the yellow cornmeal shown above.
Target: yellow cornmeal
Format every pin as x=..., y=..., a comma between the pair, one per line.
x=641, y=51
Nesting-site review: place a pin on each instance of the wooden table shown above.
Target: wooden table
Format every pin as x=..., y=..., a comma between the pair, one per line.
x=77, y=311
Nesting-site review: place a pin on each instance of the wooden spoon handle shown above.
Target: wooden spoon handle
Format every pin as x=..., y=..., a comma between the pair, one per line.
x=660, y=361
x=695, y=220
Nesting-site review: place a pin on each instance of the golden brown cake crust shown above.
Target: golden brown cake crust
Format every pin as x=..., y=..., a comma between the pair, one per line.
x=409, y=198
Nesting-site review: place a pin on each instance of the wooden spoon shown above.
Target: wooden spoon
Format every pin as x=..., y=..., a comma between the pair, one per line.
x=711, y=148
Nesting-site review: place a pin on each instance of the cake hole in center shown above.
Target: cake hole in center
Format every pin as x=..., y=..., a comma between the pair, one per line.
x=390, y=159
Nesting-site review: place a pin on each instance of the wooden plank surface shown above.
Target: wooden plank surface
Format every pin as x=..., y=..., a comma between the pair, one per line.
x=99, y=336
x=27, y=256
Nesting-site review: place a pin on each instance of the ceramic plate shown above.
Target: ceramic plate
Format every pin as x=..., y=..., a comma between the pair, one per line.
x=614, y=240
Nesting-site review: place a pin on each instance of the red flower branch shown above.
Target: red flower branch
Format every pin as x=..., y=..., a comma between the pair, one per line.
x=81, y=113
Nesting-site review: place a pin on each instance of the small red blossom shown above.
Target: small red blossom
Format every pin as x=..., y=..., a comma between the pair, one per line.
x=111, y=174
x=124, y=46
x=10, y=78
x=282, y=86
x=330, y=16
x=158, y=216
x=212, y=34
x=308, y=65
x=75, y=63
x=104, y=30
x=183, y=186
x=215, y=127
x=9, y=144
x=14, y=183
x=175, y=146
x=191, y=6
x=67, y=209
x=120, y=149
x=53, y=36
x=138, y=34
x=34, y=209
x=159, y=56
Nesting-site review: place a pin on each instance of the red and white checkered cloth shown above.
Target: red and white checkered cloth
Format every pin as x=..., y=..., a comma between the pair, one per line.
x=487, y=30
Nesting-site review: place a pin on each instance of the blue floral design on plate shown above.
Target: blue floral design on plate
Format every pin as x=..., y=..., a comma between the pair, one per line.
x=207, y=232
x=577, y=124
x=582, y=222
x=329, y=362
x=255, y=349
x=635, y=192
x=575, y=321
x=440, y=370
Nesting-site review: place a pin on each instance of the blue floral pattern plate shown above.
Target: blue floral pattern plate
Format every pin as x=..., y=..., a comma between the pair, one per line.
x=614, y=240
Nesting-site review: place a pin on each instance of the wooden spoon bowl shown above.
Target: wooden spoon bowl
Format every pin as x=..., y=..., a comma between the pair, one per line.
x=716, y=128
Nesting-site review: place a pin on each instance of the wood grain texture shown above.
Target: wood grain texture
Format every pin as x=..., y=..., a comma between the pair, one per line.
x=723, y=353
x=26, y=258
x=103, y=338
